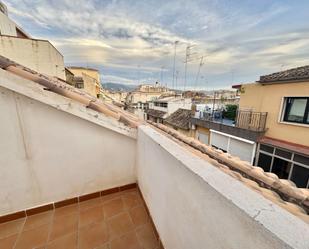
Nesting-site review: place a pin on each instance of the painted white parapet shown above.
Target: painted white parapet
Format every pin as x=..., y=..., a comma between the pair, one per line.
x=195, y=205
x=53, y=148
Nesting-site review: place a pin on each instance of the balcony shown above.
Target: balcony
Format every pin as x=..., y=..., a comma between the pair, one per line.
x=79, y=166
x=248, y=125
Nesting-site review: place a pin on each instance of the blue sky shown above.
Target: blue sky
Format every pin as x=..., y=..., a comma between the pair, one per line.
x=132, y=41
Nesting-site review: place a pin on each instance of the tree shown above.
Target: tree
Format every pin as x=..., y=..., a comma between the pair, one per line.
x=230, y=112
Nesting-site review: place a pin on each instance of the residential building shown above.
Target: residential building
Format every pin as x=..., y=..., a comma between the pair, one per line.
x=69, y=77
x=37, y=54
x=146, y=93
x=161, y=108
x=124, y=183
x=87, y=79
x=284, y=148
x=271, y=126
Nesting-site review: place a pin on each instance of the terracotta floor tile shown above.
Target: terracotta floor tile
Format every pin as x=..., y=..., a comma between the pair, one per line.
x=119, y=225
x=70, y=209
x=8, y=242
x=131, y=199
x=34, y=221
x=33, y=238
x=127, y=241
x=146, y=237
x=109, y=197
x=139, y=215
x=90, y=203
x=105, y=246
x=65, y=242
x=64, y=225
x=93, y=236
x=113, y=207
x=10, y=228
x=91, y=215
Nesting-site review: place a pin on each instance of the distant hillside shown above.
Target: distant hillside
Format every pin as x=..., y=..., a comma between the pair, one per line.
x=119, y=87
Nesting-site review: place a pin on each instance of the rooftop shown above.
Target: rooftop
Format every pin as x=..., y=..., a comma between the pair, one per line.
x=114, y=221
x=92, y=147
x=155, y=113
x=180, y=118
x=84, y=68
x=294, y=74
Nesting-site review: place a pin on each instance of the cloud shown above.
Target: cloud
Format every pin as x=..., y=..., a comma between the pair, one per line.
x=131, y=39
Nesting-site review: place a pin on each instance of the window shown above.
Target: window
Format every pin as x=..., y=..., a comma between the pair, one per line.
x=281, y=168
x=296, y=110
x=300, y=176
x=264, y=162
x=286, y=164
x=79, y=85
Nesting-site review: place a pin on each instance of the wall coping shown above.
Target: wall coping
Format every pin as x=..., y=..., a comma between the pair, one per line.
x=276, y=220
x=36, y=92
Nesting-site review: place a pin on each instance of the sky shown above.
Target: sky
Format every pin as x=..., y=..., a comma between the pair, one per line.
x=133, y=41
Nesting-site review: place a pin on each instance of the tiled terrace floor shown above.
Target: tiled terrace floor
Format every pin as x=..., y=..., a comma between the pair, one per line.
x=114, y=221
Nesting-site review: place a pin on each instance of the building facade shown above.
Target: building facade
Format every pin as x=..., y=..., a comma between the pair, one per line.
x=146, y=93
x=87, y=79
x=161, y=108
x=271, y=129
x=36, y=54
x=284, y=148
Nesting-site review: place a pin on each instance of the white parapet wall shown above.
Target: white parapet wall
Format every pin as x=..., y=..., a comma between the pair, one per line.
x=53, y=148
x=195, y=205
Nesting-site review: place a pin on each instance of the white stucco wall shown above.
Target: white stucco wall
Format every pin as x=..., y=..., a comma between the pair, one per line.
x=56, y=150
x=38, y=55
x=195, y=205
x=7, y=27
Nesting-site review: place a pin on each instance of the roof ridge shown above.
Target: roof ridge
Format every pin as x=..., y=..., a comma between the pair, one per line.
x=57, y=86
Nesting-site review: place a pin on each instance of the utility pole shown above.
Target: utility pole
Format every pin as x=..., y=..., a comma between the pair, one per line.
x=186, y=63
x=188, y=59
x=177, y=72
x=198, y=71
x=174, y=64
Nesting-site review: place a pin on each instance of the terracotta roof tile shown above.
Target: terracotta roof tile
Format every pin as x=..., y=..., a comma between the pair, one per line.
x=155, y=113
x=282, y=192
x=180, y=118
x=294, y=74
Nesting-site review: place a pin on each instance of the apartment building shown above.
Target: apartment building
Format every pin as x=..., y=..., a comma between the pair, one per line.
x=271, y=129
x=87, y=79
x=37, y=54
x=145, y=93
x=284, y=147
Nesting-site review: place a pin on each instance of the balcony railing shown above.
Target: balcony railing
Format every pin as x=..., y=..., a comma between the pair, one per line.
x=255, y=121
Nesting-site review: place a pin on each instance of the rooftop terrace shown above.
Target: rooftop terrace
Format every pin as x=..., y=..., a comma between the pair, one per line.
x=63, y=150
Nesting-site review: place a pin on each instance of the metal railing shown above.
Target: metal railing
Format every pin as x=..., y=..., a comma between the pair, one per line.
x=255, y=121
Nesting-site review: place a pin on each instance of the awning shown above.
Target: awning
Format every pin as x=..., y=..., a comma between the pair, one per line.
x=301, y=149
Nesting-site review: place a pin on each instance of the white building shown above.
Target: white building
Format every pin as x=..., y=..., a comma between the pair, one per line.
x=163, y=107
x=36, y=54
